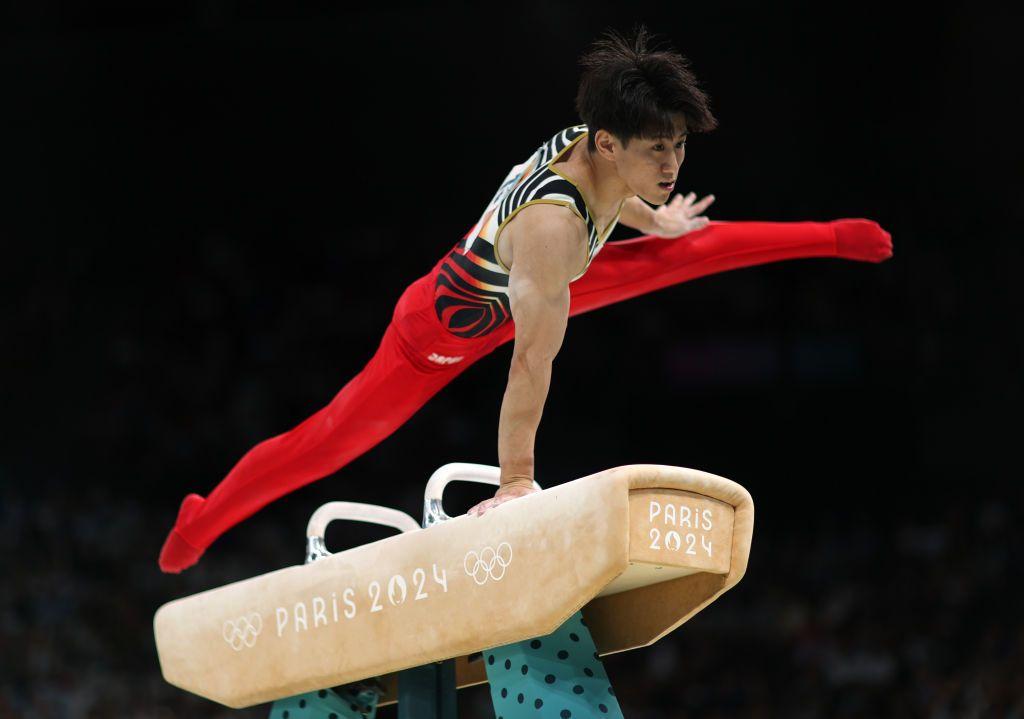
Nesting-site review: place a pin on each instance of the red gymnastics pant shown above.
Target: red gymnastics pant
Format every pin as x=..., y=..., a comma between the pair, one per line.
x=400, y=378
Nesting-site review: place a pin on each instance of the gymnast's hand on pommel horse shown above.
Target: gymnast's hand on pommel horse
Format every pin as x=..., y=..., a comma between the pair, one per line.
x=543, y=251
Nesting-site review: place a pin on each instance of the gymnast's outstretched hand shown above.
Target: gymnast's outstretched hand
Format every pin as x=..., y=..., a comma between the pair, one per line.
x=681, y=215
x=507, y=492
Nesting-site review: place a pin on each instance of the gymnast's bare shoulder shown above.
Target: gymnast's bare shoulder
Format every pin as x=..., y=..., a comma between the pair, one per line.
x=563, y=233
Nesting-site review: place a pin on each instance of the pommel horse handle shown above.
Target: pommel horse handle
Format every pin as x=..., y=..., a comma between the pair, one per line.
x=355, y=511
x=433, y=511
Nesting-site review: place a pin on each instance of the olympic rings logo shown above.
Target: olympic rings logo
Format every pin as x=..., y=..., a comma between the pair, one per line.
x=488, y=564
x=242, y=632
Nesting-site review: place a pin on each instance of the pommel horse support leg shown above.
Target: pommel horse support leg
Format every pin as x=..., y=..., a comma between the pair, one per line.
x=637, y=550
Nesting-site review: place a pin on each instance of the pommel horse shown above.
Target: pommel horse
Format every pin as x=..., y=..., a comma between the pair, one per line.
x=629, y=553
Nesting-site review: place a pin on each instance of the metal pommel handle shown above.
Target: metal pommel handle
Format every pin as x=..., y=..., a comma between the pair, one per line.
x=354, y=511
x=433, y=511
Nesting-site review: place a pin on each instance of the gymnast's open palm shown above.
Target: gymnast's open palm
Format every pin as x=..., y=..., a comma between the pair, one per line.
x=681, y=215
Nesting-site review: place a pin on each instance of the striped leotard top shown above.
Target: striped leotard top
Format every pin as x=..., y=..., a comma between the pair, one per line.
x=471, y=291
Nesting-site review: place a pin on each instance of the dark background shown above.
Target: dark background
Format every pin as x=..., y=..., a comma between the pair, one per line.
x=212, y=207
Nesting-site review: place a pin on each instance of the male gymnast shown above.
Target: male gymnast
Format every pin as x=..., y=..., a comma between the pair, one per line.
x=529, y=263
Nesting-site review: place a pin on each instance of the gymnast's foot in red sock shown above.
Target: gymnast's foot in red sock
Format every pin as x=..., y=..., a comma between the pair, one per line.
x=858, y=239
x=178, y=553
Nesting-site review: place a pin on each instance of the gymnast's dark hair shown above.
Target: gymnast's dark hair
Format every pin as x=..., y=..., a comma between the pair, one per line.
x=632, y=91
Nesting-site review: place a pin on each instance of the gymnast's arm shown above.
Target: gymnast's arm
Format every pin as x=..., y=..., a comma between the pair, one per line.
x=547, y=245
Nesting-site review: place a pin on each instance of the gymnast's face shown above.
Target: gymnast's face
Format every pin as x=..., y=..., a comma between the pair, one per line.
x=649, y=167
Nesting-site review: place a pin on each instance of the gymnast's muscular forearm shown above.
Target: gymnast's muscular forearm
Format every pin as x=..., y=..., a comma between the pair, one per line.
x=638, y=214
x=521, y=409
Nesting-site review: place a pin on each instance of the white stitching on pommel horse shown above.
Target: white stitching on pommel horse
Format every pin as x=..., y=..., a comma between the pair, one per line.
x=640, y=548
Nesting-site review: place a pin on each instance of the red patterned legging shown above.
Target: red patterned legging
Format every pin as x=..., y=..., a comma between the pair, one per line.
x=418, y=356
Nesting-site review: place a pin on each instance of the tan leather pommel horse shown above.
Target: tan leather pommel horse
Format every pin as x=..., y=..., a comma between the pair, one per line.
x=640, y=548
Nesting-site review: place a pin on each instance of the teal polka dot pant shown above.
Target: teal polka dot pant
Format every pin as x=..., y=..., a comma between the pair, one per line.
x=326, y=704
x=558, y=676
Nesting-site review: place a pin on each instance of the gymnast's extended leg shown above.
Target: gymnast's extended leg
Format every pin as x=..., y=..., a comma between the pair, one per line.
x=392, y=386
x=631, y=268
